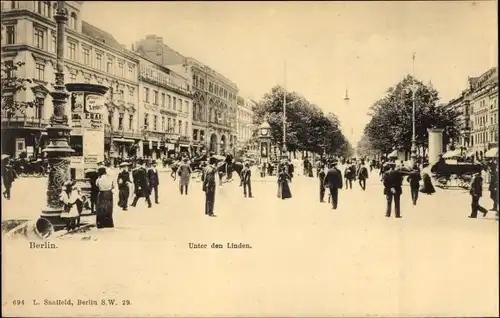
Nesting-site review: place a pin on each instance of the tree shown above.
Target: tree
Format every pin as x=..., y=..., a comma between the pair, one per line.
x=307, y=127
x=391, y=117
x=11, y=85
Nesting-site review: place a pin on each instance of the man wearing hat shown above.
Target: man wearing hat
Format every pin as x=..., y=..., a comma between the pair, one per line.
x=141, y=184
x=321, y=176
x=333, y=181
x=246, y=175
x=208, y=178
x=124, y=182
x=476, y=192
x=393, y=181
x=154, y=180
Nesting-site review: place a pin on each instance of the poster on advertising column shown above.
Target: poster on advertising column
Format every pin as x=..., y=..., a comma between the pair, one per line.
x=93, y=133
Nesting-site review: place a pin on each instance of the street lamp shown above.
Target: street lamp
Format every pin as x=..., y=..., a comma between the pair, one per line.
x=59, y=131
x=414, y=88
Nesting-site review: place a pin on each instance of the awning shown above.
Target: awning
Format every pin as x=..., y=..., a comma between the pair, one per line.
x=393, y=154
x=453, y=154
x=123, y=140
x=492, y=153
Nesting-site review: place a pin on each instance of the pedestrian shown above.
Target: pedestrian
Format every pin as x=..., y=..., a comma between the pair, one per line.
x=393, y=181
x=92, y=176
x=362, y=175
x=333, y=181
x=414, y=179
x=174, y=167
x=229, y=167
x=154, y=180
x=9, y=175
x=141, y=184
x=476, y=192
x=348, y=175
x=106, y=184
x=263, y=169
x=124, y=183
x=321, y=176
x=208, y=179
x=72, y=205
x=493, y=187
x=185, y=176
x=427, y=186
x=246, y=175
x=221, y=167
x=283, y=186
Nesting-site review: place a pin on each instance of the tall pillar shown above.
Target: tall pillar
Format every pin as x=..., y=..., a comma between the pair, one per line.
x=435, y=144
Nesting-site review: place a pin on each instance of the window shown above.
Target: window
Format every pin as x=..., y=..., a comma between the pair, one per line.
x=146, y=121
x=54, y=43
x=73, y=78
x=202, y=83
x=72, y=51
x=186, y=106
x=109, y=65
x=40, y=72
x=86, y=56
x=162, y=123
x=186, y=129
x=98, y=59
x=110, y=118
x=14, y=4
x=155, y=120
x=72, y=21
x=169, y=101
x=179, y=105
x=39, y=38
x=39, y=102
x=41, y=7
x=162, y=99
x=131, y=95
x=121, y=95
x=130, y=71
x=174, y=128
x=155, y=97
x=11, y=34
x=121, y=70
x=169, y=124
x=130, y=121
x=120, y=121
x=175, y=103
x=146, y=95
x=180, y=127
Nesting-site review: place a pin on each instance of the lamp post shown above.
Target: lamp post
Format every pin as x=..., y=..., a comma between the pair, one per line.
x=284, y=154
x=59, y=131
x=413, y=138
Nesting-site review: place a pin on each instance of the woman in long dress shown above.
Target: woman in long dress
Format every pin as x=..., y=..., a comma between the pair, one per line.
x=283, y=187
x=73, y=203
x=427, y=186
x=106, y=184
x=185, y=176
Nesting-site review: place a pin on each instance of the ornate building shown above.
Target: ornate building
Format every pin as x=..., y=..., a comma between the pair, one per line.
x=478, y=109
x=164, y=110
x=214, y=96
x=244, y=125
x=92, y=56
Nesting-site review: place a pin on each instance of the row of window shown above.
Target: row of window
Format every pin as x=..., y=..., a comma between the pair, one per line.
x=198, y=135
x=171, y=125
x=165, y=100
x=212, y=88
x=121, y=121
x=485, y=137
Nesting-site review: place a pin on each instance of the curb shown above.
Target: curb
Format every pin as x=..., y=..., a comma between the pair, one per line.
x=79, y=229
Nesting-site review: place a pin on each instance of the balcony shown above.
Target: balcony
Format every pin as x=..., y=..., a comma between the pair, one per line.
x=24, y=122
x=131, y=134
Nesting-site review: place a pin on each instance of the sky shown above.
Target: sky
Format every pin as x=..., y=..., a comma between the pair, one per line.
x=327, y=47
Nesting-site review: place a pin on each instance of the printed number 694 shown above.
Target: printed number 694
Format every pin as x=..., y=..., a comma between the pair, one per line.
x=18, y=302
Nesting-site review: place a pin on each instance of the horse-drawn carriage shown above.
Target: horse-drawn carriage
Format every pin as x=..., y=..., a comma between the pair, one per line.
x=455, y=174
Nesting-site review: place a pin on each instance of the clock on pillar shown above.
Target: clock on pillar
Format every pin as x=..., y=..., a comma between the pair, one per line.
x=265, y=139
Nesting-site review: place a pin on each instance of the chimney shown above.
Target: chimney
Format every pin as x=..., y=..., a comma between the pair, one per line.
x=132, y=46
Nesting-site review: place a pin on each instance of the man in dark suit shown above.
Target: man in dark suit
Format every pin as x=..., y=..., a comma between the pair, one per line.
x=154, y=180
x=333, y=181
x=246, y=175
x=414, y=179
x=362, y=175
x=141, y=184
x=208, y=179
x=393, y=181
x=321, y=176
x=476, y=192
x=124, y=182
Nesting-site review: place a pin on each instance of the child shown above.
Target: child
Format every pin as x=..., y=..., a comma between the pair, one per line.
x=73, y=204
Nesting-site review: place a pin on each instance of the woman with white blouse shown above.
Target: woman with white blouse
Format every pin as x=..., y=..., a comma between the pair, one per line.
x=106, y=184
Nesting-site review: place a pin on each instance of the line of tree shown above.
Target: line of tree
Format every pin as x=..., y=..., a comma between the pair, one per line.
x=390, y=126
x=308, y=128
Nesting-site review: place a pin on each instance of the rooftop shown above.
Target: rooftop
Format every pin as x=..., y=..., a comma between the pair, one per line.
x=103, y=37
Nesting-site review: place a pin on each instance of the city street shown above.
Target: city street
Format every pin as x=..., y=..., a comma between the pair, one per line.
x=305, y=258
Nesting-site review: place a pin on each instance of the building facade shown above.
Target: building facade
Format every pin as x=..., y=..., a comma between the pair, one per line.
x=478, y=114
x=244, y=124
x=164, y=110
x=92, y=56
x=214, y=111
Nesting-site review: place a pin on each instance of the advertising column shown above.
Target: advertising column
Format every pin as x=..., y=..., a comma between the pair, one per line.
x=93, y=133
